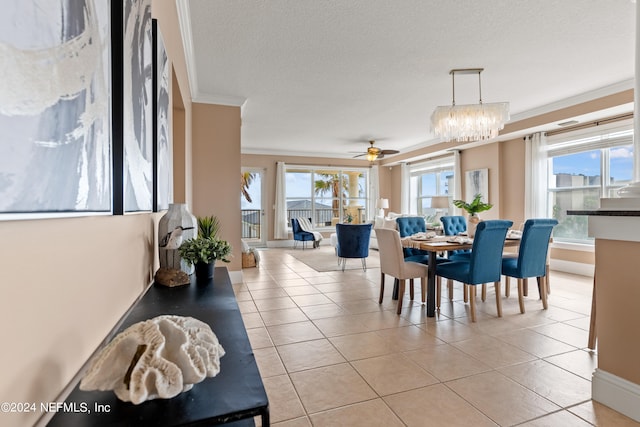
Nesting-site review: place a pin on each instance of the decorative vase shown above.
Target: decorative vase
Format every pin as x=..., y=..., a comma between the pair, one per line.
x=472, y=223
x=177, y=216
x=205, y=271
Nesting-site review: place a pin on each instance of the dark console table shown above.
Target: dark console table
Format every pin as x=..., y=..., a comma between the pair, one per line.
x=234, y=396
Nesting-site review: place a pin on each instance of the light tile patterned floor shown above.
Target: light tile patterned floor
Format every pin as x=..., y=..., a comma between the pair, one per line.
x=330, y=355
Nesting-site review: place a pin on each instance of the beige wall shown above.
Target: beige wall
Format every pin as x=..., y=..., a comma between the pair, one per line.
x=66, y=282
x=216, y=171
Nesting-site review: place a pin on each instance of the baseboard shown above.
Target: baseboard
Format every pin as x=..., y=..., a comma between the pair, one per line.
x=572, y=267
x=617, y=393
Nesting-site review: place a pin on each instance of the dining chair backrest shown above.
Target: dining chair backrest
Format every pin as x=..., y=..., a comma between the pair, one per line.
x=409, y=225
x=485, y=263
x=353, y=240
x=532, y=255
x=391, y=256
x=452, y=225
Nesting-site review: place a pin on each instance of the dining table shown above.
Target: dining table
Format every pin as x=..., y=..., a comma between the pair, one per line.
x=434, y=245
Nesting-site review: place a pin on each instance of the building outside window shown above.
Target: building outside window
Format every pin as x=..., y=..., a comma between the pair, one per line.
x=327, y=195
x=582, y=168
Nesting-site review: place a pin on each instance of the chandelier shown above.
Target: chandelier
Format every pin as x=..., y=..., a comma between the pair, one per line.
x=470, y=122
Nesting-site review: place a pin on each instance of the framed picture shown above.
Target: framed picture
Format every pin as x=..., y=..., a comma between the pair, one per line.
x=162, y=142
x=133, y=106
x=476, y=182
x=55, y=109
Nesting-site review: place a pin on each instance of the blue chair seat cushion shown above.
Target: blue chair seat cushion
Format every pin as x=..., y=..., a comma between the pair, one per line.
x=510, y=266
x=456, y=270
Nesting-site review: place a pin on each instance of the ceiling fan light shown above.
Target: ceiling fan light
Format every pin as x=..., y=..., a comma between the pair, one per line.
x=472, y=122
x=372, y=156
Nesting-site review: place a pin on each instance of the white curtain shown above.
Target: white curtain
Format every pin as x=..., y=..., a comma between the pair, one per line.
x=457, y=180
x=374, y=191
x=405, y=185
x=280, y=217
x=535, y=177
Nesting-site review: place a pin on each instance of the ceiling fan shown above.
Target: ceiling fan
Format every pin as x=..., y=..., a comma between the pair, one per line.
x=375, y=153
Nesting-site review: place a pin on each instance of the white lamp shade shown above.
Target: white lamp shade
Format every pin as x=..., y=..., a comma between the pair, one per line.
x=440, y=202
x=382, y=204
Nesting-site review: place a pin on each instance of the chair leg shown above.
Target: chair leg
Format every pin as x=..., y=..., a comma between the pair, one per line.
x=381, y=288
x=525, y=287
x=438, y=291
x=411, y=289
x=400, y=295
x=465, y=293
x=484, y=292
x=423, y=289
x=496, y=285
x=507, y=286
x=364, y=264
x=472, y=301
x=521, y=294
x=450, y=286
x=543, y=291
x=547, y=280
x=592, y=319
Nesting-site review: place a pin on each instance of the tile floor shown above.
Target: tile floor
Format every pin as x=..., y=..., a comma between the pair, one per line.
x=331, y=356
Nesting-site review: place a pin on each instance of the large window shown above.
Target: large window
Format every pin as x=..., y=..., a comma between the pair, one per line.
x=430, y=179
x=582, y=169
x=327, y=195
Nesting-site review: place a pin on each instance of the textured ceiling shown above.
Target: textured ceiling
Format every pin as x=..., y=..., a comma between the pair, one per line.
x=322, y=77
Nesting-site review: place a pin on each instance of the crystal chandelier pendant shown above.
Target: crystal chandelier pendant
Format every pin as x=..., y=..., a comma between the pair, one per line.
x=471, y=122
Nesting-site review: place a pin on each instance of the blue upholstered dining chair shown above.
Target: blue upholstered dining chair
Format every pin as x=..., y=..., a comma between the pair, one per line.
x=452, y=226
x=299, y=235
x=484, y=264
x=407, y=226
x=532, y=257
x=353, y=242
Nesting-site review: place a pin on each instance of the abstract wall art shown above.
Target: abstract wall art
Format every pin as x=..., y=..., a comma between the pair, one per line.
x=55, y=89
x=163, y=147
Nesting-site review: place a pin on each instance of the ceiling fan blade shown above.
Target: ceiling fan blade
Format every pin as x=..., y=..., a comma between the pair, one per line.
x=359, y=155
x=389, y=152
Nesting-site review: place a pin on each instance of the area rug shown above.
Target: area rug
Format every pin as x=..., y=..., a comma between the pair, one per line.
x=324, y=259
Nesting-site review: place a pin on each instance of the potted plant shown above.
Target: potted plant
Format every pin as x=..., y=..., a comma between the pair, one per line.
x=203, y=251
x=473, y=208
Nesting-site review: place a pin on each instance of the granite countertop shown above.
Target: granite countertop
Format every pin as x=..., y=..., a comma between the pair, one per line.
x=603, y=212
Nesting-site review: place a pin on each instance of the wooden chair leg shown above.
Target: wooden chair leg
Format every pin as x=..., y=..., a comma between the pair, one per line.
x=592, y=320
x=465, y=294
x=450, y=286
x=547, y=280
x=521, y=294
x=525, y=288
x=484, y=292
x=496, y=285
x=472, y=301
x=411, y=289
x=543, y=291
x=507, y=286
x=400, y=295
x=438, y=291
x=381, y=288
x=423, y=290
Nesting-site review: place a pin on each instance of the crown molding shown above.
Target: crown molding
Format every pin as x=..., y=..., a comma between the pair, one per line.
x=574, y=100
x=229, y=100
x=184, y=19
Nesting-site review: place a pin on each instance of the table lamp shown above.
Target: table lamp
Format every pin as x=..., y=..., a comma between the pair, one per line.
x=381, y=205
x=439, y=203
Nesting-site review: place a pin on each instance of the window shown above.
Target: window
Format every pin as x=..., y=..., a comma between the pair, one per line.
x=582, y=169
x=327, y=195
x=429, y=179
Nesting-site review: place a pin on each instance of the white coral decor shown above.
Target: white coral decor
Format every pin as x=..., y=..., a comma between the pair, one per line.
x=156, y=358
